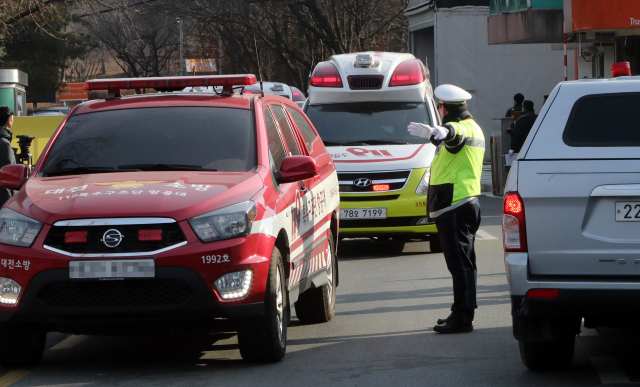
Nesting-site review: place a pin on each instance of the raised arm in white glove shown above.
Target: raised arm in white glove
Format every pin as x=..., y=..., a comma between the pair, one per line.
x=426, y=131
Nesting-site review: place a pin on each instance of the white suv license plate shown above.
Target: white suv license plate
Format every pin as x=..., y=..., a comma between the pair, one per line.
x=363, y=213
x=125, y=268
x=627, y=211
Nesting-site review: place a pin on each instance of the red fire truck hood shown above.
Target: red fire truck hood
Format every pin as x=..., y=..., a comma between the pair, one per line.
x=178, y=195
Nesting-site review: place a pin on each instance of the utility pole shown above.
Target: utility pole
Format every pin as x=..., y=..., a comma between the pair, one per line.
x=181, y=58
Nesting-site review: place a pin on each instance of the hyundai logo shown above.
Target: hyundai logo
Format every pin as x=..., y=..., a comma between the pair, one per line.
x=362, y=182
x=112, y=238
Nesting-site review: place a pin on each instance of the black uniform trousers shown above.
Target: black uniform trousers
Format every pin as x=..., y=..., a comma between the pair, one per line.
x=457, y=229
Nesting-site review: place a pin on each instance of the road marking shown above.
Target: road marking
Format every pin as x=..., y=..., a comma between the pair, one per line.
x=609, y=370
x=585, y=332
x=13, y=376
x=69, y=342
x=482, y=235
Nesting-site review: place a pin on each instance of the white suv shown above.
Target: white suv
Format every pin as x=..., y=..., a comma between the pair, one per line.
x=572, y=219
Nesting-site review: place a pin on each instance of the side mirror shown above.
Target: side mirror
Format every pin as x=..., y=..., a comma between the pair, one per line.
x=295, y=168
x=13, y=176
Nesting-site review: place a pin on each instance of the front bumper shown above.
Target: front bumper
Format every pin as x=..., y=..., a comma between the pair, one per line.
x=404, y=210
x=181, y=293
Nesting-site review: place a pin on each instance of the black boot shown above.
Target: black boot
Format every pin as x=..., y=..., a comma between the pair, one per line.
x=444, y=320
x=454, y=326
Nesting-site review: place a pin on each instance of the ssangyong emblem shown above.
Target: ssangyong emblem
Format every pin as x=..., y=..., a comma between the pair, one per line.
x=362, y=182
x=112, y=238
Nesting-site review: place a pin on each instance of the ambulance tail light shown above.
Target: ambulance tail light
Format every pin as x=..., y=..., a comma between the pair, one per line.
x=171, y=83
x=513, y=223
x=410, y=72
x=326, y=75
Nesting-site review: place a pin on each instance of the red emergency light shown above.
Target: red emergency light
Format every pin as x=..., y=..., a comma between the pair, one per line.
x=171, y=83
x=620, y=69
x=381, y=187
x=150, y=235
x=410, y=72
x=326, y=75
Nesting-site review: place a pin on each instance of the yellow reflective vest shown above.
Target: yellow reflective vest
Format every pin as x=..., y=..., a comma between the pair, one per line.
x=456, y=168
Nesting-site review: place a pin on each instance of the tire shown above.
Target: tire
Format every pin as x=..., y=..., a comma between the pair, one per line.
x=395, y=247
x=264, y=339
x=318, y=305
x=553, y=356
x=435, y=246
x=24, y=346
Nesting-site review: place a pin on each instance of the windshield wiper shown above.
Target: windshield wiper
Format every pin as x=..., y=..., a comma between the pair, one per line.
x=332, y=143
x=166, y=167
x=375, y=142
x=84, y=171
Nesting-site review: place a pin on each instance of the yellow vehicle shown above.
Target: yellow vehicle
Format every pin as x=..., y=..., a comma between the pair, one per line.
x=361, y=105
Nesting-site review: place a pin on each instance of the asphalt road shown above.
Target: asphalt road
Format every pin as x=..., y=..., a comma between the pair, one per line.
x=381, y=336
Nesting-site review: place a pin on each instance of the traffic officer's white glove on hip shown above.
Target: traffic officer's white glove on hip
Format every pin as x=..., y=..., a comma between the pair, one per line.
x=510, y=152
x=419, y=130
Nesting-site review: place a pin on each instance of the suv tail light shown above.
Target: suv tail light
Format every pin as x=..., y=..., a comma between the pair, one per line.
x=513, y=225
x=326, y=75
x=410, y=72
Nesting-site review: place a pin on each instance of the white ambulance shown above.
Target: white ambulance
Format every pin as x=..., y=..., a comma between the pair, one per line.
x=361, y=104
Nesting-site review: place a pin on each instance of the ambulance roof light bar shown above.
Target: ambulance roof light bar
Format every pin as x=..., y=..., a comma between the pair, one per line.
x=167, y=83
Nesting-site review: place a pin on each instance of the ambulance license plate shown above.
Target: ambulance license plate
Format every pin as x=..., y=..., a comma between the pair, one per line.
x=363, y=213
x=122, y=268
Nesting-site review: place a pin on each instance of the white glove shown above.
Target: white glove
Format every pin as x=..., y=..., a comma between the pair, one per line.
x=510, y=152
x=439, y=133
x=419, y=130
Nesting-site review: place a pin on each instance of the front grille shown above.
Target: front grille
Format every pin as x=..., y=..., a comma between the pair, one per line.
x=365, y=82
x=346, y=180
x=115, y=294
x=389, y=222
x=171, y=235
x=368, y=198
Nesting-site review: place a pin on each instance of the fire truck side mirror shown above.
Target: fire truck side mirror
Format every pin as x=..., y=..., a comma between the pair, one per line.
x=13, y=176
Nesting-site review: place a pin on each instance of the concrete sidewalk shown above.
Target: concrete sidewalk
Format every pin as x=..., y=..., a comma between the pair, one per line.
x=486, y=185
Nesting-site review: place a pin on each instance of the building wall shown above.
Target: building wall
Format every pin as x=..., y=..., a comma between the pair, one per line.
x=492, y=74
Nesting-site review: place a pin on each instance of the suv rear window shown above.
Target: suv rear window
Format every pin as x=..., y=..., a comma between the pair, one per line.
x=209, y=137
x=604, y=120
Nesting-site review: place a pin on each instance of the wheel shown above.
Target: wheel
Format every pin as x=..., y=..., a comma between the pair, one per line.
x=265, y=339
x=434, y=243
x=556, y=355
x=26, y=346
x=318, y=305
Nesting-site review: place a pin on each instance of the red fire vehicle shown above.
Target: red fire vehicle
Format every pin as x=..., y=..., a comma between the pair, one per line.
x=172, y=211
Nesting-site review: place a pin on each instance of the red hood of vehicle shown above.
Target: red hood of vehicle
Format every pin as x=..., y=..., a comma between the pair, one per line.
x=176, y=194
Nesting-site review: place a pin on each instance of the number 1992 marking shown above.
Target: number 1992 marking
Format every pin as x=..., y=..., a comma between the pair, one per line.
x=215, y=258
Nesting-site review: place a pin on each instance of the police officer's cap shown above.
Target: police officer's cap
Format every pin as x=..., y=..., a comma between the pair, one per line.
x=451, y=94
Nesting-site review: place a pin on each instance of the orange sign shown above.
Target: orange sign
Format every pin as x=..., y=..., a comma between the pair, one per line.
x=197, y=65
x=73, y=92
x=588, y=15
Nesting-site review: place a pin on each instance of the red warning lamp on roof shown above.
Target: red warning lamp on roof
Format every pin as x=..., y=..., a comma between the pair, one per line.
x=326, y=75
x=620, y=69
x=409, y=72
x=168, y=83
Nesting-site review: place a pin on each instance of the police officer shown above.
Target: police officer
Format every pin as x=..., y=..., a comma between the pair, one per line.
x=7, y=156
x=452, y=198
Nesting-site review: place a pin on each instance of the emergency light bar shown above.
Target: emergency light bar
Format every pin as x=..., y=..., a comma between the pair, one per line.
x=226, y=81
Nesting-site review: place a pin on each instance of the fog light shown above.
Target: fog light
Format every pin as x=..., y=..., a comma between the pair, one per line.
x=9, y=291
x=234, y=285
x=422, y=221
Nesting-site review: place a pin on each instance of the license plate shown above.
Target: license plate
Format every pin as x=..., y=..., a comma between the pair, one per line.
x=627, y=211
x=126, y=268
x=363, y=213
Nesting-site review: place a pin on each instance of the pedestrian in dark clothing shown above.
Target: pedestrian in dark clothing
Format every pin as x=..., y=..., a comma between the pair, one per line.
x=7, y=156
x=521, y=128
x=516, y=110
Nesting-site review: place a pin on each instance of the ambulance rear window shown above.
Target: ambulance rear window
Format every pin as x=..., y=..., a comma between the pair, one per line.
x=211, y=138
x=368, y=123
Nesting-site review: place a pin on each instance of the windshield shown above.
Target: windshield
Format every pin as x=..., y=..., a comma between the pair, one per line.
x=368, y=123
x=162, y=138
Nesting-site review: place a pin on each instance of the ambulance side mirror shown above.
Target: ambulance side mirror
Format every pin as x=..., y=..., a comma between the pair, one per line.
x=13, y=176
x=296, y=168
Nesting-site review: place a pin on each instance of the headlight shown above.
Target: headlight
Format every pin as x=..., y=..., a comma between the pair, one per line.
x=423, y=187
x=225, y=223
x=234, y=285
x=9, y=291
x=17, y=229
